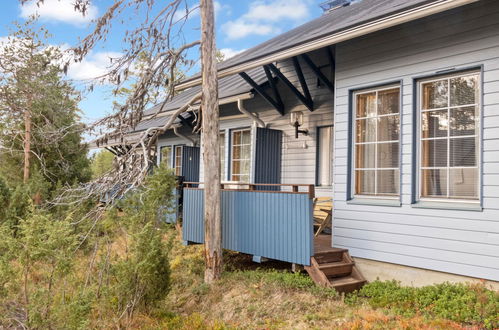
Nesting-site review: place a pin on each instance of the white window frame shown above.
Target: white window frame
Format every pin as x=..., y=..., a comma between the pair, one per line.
x=231, y=146
x=223, y=165
x=175, y=156
x=354, y=142
x=420, y=111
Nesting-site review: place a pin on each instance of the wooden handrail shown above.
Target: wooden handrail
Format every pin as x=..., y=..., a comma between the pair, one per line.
x=253, y=187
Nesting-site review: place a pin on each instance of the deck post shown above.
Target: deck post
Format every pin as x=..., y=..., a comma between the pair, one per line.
x=311, y=191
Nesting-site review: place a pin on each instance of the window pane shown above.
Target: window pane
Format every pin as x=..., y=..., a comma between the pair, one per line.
x=246, y=137
x=464, y=90
x=389, y=128
x=366, y=130
x=245, y=166
x=246, y=152
x=236, y=167
x=388, y=155
x=388, y=101
x=434, y=153
x=366, y=105
x=463, y=152
x=388, y=182
x=434, y=124
x=236, y=138
x=365, y=156
x=236, y=152
x=464, y=183
x=463, y=121
x=434, y=183
x=435, y=95
x=364, y=182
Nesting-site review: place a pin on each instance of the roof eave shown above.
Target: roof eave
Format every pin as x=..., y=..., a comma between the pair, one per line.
x=351, y=33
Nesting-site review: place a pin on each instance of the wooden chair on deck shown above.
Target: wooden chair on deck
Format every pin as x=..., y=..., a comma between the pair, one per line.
x=323, y=213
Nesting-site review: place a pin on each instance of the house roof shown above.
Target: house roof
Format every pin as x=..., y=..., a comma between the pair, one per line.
x=333, y=27
x=228, y=87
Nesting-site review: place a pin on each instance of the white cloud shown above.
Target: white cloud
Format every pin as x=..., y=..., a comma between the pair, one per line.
x=229, y=52
x=239, y=29
x=93, y=66
x=263, y=17
x=59, y=11
x=277, y=10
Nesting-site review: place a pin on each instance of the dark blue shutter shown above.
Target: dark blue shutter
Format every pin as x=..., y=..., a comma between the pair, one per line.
x=268, y=150
x=190, y=163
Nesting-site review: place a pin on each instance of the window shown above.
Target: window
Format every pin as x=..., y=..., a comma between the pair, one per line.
x=241, y=155
x=166, y=155
x=178, y=160
x=221, y=142
x=377, y=142
x=324, y=156
x=449, y=138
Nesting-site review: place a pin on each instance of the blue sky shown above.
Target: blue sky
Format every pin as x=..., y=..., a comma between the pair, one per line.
x=240, y=24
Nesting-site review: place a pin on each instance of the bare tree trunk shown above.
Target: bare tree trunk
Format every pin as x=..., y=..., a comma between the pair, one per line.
x=27, y=143
x=211, y=152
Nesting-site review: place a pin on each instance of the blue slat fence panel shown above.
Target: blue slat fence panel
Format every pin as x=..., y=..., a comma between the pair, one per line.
x=272, y=225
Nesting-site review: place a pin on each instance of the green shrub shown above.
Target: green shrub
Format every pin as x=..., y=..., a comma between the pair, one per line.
x=463, y=303
x=4, y=199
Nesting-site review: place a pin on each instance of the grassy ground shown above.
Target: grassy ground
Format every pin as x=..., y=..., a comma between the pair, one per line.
x=267, y=296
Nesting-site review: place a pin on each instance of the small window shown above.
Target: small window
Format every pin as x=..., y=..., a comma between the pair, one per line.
x=325, y=156
x=449, y=140
x=221, y=141
x=166, y=156
x=377, y=142
x=178, y=160
x=241, y=155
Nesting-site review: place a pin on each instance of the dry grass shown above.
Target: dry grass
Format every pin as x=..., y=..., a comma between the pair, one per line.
x=249, y=297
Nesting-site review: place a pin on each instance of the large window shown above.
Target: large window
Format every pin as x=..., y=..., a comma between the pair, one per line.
x=377, y=142
x=241, y=155
x=325, y=156
x=449, y=137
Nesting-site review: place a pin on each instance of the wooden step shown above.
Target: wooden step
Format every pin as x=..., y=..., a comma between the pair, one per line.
x=346, y=284
x=329, y=255
x=337, y=269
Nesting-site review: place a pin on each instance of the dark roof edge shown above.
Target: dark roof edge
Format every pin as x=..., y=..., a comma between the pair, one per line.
x=355, y=31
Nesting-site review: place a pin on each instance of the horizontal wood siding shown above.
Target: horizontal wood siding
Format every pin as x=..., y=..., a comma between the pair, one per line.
x=461, y=242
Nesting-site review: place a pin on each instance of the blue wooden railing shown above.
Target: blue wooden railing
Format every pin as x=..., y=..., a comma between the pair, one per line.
x=272, y=224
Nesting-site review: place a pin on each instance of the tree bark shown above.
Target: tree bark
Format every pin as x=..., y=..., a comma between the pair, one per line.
x=27, y=143
x=211, y=151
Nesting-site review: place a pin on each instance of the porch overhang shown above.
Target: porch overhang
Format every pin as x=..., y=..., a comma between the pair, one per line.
x=396, y=17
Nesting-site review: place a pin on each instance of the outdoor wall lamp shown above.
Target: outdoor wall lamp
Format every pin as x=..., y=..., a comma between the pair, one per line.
x=297, y=121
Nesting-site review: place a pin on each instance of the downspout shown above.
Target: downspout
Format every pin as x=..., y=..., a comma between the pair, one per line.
x=180, y=135
x=243, y=110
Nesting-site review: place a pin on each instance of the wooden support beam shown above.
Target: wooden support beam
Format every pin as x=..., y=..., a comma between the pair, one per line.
x=307, y=102
x=273, y=85
x=301, y=78
x=318, y=72
x=259, y=90
x=184, y=121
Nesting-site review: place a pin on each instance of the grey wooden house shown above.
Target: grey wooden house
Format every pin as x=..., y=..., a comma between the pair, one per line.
x=388, y=107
